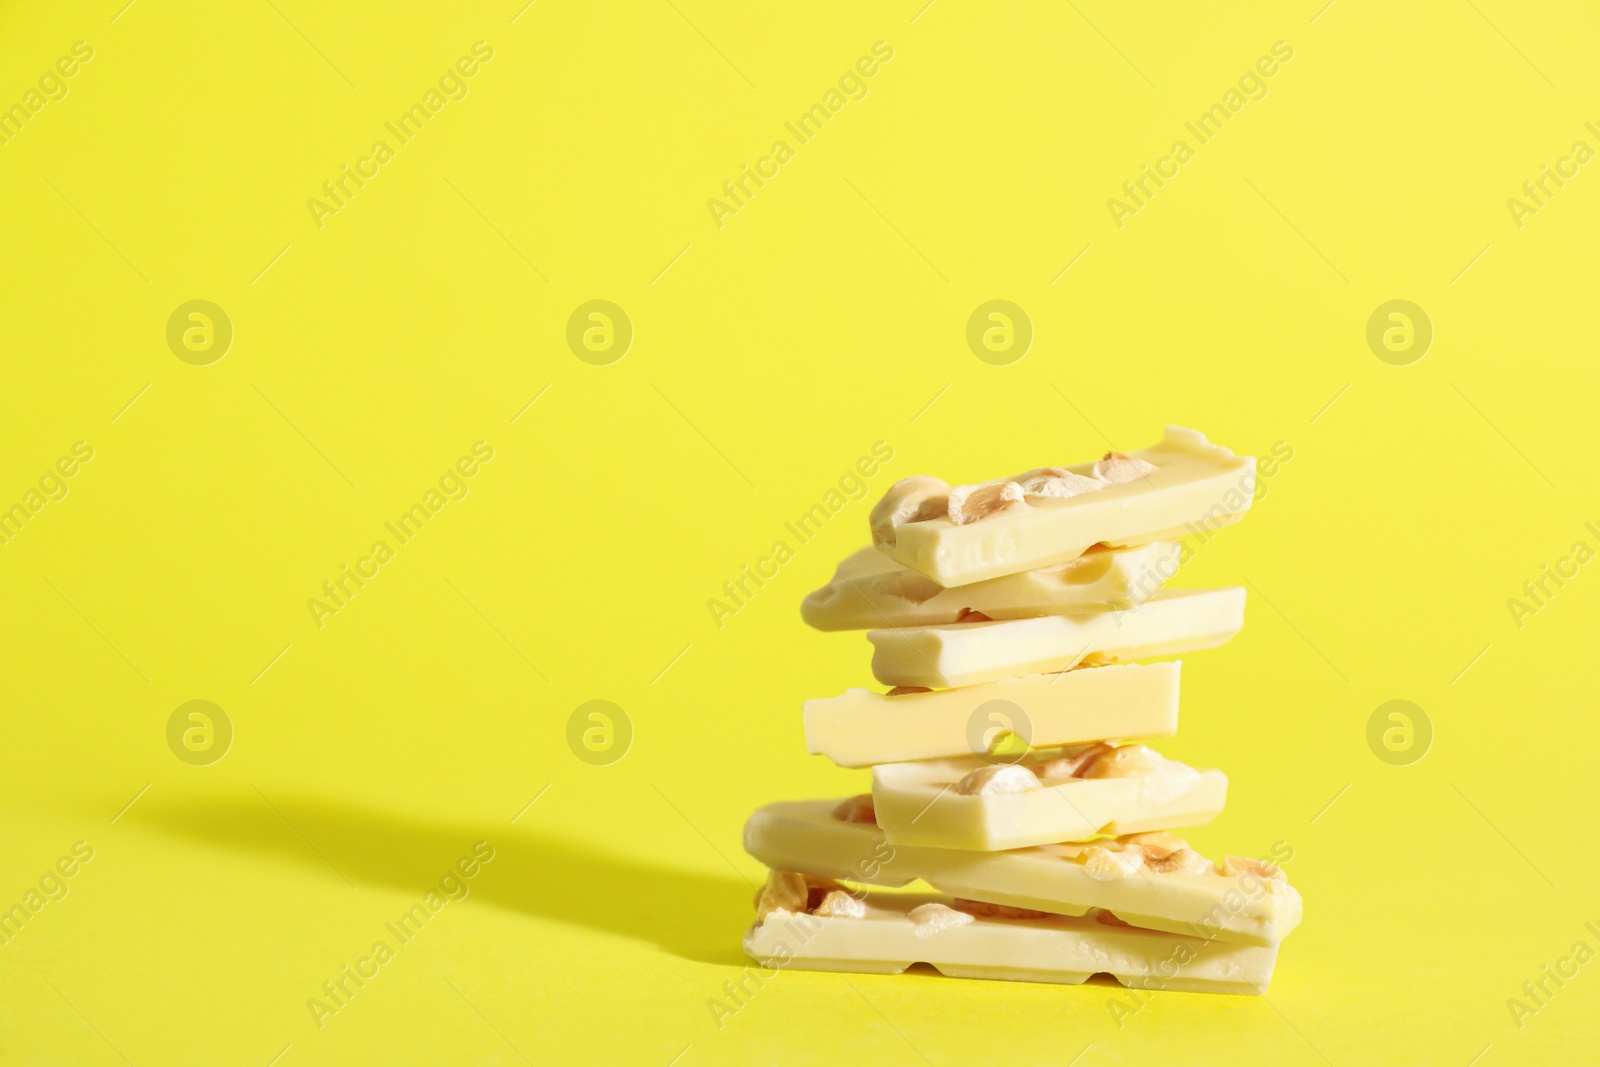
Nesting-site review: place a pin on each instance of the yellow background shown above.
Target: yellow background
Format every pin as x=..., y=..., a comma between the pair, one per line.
x=768, y=355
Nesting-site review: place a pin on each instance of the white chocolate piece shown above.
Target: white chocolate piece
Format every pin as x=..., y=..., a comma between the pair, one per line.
x=887, y=939
x=860, y=728
x=807, y=835
x=970, y=653
x=1195, y=486
x=919, y=804
x=870, y=590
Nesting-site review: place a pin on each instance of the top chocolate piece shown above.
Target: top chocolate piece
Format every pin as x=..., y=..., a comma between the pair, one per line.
x=969, y=533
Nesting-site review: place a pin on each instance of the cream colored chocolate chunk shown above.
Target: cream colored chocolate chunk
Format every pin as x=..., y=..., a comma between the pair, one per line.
x=1184, y=484
x=896, y=930
x=870, y=590
x=1160, y=883
x=859, y=728
x=1171, y=622
x=790, y=891
x=1120, y=792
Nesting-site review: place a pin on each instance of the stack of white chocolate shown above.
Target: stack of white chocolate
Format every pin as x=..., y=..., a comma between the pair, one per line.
x=1002, y=616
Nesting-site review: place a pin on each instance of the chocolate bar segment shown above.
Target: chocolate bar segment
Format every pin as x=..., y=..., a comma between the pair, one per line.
x=1173, y=621
x=1149, y=880
x=870, y=590
x=970, y=533
x=859, y=728
x=1075, y=794
x=885, y=933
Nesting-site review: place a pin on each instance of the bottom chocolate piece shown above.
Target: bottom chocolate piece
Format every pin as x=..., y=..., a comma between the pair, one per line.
x=817, y=926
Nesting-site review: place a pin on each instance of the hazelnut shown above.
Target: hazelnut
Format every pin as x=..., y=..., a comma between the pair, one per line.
x=817, y=889
x=1055, y=483
x=913, y=499
x=1071, y=762
x=784, y=891
x=969, y=503
x=1162, y=841
x=1129, y=761
x=1270, y=873
x=856, y=809
x=997, y=779
x=1180, y=861
x=788, y=891
x=1116, y=468
x=984, y=909
x=840, y=905
x=1106, y=862
x=930, y=919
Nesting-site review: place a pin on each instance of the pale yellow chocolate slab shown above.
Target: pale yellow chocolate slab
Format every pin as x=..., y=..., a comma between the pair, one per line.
x=895, y=930
x=1196, y=486
x=920, y=804
x=870, y=590
x=859, y=728
x=810, y=837
x=1171, y=622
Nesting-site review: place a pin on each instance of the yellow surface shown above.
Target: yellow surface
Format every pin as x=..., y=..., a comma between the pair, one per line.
x=828, y=313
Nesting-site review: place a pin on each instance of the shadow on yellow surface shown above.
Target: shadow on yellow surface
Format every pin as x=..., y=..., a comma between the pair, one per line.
x=690, y=915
